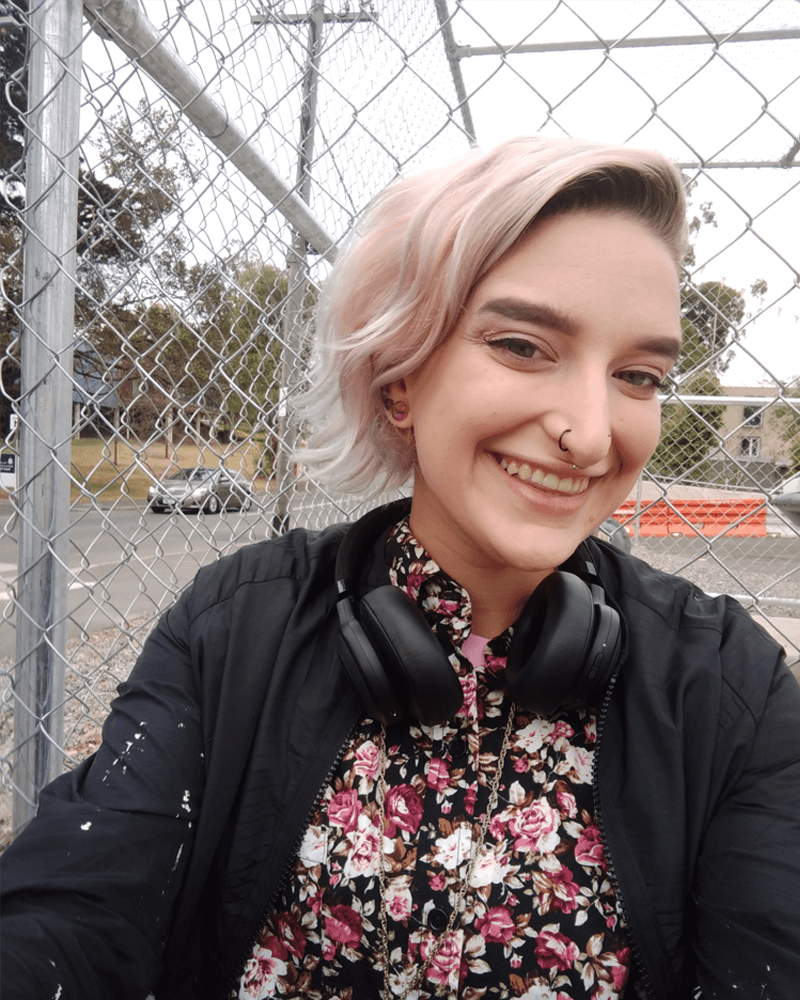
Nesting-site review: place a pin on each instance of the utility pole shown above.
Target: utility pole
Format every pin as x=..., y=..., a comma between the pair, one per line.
x=297, y=263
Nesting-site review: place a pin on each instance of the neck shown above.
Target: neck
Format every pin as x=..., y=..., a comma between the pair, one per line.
x=497, y=593
x=497, y=600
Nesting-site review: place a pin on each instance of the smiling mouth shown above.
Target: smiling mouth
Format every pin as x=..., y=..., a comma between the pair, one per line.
x=546, y=480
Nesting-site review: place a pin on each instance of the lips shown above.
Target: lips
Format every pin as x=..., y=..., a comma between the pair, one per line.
x=527, y=473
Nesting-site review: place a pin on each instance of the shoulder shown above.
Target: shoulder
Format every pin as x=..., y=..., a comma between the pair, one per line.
x=298, y=560
x=679, y=628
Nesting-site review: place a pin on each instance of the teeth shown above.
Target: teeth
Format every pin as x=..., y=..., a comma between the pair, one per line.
x=550, y=481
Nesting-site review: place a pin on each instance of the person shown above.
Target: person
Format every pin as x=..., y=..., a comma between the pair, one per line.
x=459, y=748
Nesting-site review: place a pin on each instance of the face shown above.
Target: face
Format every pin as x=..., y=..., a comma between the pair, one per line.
x=555, y=363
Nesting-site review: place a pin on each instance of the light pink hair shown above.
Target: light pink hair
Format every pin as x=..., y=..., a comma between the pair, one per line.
x=398, y=288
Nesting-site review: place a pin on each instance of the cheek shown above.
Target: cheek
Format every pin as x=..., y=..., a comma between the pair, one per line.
x=637, y=435
x=645, y=434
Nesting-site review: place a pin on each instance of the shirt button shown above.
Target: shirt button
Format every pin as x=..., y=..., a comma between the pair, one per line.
x=437, y=920
x=458, y=747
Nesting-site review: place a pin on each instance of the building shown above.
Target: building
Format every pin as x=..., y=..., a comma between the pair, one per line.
x=752, y=452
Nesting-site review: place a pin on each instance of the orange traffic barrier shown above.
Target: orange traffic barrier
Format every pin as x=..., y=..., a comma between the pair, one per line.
x=736, y=517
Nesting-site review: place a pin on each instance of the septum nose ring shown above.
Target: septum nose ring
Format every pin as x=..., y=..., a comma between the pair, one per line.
x=561, y=445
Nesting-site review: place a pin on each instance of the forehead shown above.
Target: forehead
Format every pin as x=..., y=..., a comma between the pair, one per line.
x=572, y=266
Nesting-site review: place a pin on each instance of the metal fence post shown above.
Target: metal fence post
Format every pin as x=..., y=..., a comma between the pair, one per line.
x=45, y=402
x=297, y=275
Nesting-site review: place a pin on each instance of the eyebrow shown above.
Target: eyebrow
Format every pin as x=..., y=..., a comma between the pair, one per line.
x=543, y=315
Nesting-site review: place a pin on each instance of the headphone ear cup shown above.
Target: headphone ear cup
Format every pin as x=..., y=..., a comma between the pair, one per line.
x=365, y=669
x=551, y=641
x=422, y=677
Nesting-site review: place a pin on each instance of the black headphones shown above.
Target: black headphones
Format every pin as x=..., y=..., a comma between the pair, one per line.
x=566, y=645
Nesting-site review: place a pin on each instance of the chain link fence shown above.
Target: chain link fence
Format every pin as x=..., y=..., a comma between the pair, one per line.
x=176, y=177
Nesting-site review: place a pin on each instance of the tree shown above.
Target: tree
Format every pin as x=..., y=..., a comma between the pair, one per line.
x=787, y=419
x=711, y=315
x=689, y=433
x=125, y=200
x=13, y=84
x=13, y=74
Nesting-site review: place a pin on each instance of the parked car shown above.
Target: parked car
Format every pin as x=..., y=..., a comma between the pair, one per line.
x=201, y=488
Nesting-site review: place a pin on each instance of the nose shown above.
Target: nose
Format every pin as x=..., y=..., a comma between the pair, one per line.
x=580, y=426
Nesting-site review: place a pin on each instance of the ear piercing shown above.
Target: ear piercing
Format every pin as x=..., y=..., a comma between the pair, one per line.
x=396, y=408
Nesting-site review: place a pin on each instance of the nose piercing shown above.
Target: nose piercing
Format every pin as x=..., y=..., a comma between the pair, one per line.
x=560, y=445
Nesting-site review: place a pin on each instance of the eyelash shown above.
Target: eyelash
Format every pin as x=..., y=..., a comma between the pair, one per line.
x=504, y=344
x=507, y=344
x=654, y=381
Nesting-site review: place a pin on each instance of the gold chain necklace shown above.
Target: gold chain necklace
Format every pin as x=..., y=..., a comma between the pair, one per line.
x=475, y=853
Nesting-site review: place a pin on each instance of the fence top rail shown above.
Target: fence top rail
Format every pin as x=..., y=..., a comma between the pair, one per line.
x=728, y=400
x=767, y=35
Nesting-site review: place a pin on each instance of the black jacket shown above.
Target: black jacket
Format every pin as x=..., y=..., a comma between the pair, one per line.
x=152, y=865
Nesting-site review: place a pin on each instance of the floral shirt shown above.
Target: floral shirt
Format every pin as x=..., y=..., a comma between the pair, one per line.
x=539, y=918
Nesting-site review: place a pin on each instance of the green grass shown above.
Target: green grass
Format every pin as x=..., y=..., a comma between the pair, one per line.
x=103, y=471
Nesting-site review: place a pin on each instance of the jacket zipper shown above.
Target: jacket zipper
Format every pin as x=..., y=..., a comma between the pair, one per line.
x=289, y=865
x=598, y=818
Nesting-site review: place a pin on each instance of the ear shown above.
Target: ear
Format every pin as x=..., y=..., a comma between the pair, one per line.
x=396, y=403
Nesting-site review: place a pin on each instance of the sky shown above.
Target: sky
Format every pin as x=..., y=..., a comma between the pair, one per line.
x=386, y=89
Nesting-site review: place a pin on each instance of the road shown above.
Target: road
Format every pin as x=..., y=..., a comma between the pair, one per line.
x=126, y=563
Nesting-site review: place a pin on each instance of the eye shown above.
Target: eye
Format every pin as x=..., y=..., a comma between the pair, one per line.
x=641, y=380
x=519, y=348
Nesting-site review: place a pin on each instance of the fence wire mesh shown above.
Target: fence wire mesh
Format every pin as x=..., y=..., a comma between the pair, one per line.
x=176, y=177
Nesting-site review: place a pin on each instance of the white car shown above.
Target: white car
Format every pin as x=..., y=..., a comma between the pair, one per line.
x=201, y=488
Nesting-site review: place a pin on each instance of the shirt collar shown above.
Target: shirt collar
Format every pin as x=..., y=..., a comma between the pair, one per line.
x=444, y=602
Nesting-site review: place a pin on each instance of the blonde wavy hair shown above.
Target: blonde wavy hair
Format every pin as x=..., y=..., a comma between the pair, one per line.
x=398, y=287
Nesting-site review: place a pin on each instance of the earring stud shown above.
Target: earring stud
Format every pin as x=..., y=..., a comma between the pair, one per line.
x=399, y=409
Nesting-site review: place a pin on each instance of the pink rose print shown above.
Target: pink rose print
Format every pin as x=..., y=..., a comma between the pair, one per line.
x=413, y=582
x=291, y=934
x=403, y=809
x=470, y=709
x=438, y=775
x=560, y=730
x=589, y=849
x=494, y=664
x=447, y=967
x=469, y=800
x=272, y=948
x=520, y=765
x=497, y=925
x=497, y=827
x=343, y=926
x=437, y=882
x=367, y=761
x=619, y=973
x=398, y=902
x=535, y=828
x=554, y=950
x=557, y=891
x=344, y=809
x=262, y=970
x=366, y=847
x=566, y=803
